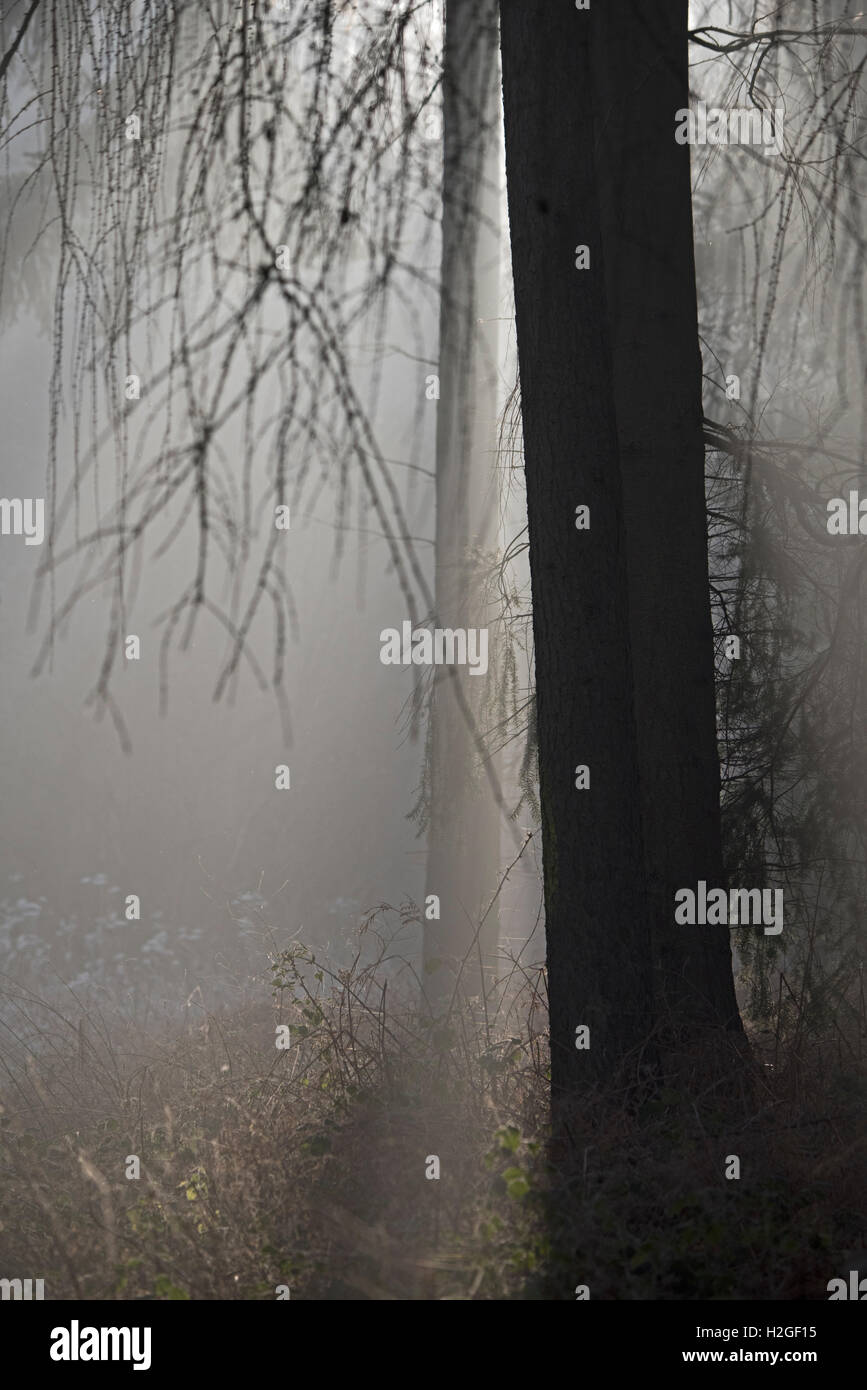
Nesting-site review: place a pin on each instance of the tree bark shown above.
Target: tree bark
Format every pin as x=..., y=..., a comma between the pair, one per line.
x=463, y=841
x=639, y=57
x=598, y=939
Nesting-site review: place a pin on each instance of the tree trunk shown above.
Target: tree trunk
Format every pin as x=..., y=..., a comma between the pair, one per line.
x=598, y=940
x=463, y=842
x=639, y=56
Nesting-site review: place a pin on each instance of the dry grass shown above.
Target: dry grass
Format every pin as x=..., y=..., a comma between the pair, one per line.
x=305, y=1167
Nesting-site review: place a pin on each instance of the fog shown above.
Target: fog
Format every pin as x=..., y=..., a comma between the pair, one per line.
x=278, y=1014
x=180, y=807
x=189, y=818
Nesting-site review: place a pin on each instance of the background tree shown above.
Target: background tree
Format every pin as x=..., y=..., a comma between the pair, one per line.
x=464, y=818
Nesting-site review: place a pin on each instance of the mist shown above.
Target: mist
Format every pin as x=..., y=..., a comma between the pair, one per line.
x=432, y=850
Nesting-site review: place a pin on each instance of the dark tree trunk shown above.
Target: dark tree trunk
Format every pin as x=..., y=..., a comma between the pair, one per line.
x=639, y=56
x=598, y=942
x=463, y=842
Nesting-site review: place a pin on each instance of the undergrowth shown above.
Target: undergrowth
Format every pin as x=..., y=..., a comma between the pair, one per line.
x=302, y=1171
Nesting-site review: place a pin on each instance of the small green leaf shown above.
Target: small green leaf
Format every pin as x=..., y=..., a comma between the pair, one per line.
x=164, y=1288
x=509, y=1137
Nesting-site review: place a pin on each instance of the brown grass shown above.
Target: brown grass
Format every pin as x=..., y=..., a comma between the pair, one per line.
x=305, y=1168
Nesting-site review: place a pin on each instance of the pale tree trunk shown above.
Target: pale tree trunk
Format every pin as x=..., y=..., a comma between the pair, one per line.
x=598, y=939
x=463, y=844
